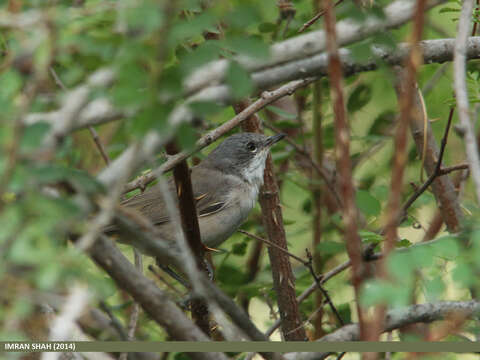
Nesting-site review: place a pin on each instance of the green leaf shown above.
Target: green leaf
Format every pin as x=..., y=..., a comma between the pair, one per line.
x=404, y=243
x=446, y=247
x=267, y=27
x=383, y=123
x=240, y=248
x=360, y=97
x=434, y=289
x=239, y=80
x=251, y=46
x=367, y=204
x=11, y=83
x=463, y=275
x=231, y=277
x=370, y=237
x=345, y=312
x=330, y=247
x=33, y=136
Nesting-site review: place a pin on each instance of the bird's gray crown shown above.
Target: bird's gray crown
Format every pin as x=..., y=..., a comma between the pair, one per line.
x=241, y=154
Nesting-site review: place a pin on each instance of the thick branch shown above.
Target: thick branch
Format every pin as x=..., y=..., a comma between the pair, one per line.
x=396, y=14
x=283, y=279
x=154, y=301
x=191, y=229
x=395, y=319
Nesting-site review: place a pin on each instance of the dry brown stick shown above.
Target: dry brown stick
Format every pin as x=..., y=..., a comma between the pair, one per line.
x=315, y=18
x=266, y=98
x=406, y=102
x=283, y=279
x=191, y=229
x=342, y=149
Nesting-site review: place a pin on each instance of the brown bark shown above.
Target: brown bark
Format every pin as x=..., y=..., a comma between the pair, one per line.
x=283, y=279
x=191, y=229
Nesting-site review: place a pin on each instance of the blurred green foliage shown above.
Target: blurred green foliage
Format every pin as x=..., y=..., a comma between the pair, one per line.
x=153, y=46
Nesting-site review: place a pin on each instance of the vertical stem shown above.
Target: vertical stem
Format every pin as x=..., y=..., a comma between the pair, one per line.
x=317, y=198
x=283, y=279
x=342, y=149
x=191, y=229
x=406, y=103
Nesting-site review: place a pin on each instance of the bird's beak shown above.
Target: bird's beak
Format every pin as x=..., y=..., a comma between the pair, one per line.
x=274, y=139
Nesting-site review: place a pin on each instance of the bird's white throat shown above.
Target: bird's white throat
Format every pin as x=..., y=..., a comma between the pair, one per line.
x=253, y=173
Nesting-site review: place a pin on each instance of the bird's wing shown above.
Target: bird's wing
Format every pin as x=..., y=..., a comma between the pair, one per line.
x=208, y=199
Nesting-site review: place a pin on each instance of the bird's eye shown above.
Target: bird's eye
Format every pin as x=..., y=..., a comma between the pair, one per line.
x=251, y=146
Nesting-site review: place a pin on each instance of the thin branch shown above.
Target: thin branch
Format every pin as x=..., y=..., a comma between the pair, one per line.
x=342, y=150
x=114, y=320
x=448, y=170
x=436, y=173
x=308, y=264
x=459, y=65
x=315, y=18
x=266, y=98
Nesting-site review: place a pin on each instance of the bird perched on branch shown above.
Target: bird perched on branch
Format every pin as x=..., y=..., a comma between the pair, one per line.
x=225, y=187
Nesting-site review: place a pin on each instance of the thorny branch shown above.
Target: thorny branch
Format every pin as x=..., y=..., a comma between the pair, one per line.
x=282, y=273
x=307, y=263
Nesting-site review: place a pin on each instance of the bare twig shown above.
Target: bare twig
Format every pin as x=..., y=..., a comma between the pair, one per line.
x=342, y=149
x=114, y=320
x=437, y=172
x=308, y=264
x=459, y=64
x=315, y=18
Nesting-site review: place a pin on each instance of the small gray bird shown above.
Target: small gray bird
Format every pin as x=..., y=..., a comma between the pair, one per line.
x=225, y=186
